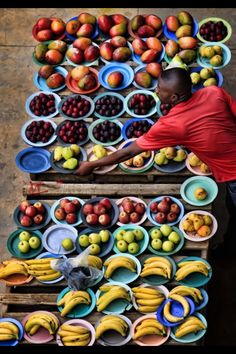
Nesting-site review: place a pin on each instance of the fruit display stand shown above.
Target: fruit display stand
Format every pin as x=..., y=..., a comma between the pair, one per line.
x=21, y=300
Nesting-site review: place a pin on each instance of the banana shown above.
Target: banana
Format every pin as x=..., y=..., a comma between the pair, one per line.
x=75, y=337
x=188, y=269
x=38, y=261
x=47, y=317
x=108, y=326
x=72, y=303
x=7, y=337
x=77, y=293
x=182, y=301
x=148, y=309
x=202, y=263
x=114, y=318
x=168, y=315
x=11, y=326
x=49, y=277
x=147, y=296
x=158, y=259
x=108, y=293
x=15, y=268
x=152, y=322
x=148, y=302
x=94, y=261
x=39, y=321
x=65, y=298
x=105, y=287
x=187, y=329
x=186, y=290
x=77, y=343
x=111, y=297
x=123, y=258
x=38, y=267
x=190, y=321
x=37, y=273
x=147, y=331
x=147, y=290
x=34, y=329
x=112, y=266
x=6, y=331
x=75, y=329
x=159, y=264
x=153, y=271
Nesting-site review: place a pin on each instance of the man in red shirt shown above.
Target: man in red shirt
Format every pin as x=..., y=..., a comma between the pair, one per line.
x=204, y=122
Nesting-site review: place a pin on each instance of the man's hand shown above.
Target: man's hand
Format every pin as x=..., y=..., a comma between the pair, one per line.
x=85, y=168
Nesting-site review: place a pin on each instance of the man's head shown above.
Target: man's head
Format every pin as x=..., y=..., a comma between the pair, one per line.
x=174, y=85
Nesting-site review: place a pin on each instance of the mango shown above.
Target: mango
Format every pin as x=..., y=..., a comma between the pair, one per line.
x=154, y=43
x=106, y=51
x=39, y=51
x=85, y=17
x=185, y=18
x=118, y=30
x=115, y=79
x=45, y=71
x=154, y=69
x=136, y=22
x=143, y=79
x=91, y=53
x=79, y=72
x=139, y=46
x=209, y=82
x=149, y=55
x=88, y=82
x=118, y=18
x=85, y=30
x=172, y=23
x=55, y=80
x=119, y=41
x=187, y=55
x=187, y=42
x=72, y=27
x=105, y=23
x=145, y=31
x=44, y=35
x=58, y=26
x=154, y=21
x=82, y=43
x=122, y=54
x=171, y=48
x=53, y=57
x=216, y=60
x=184, y=31
x=58, y=45
x=76, y=55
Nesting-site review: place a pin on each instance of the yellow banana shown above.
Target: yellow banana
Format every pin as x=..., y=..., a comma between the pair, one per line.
x=158, y=259
x=77, y=343
x=183, y=264
x=117, y=264
x=7, y=337
x=168, y=315
x=152, y=322
x=14, y=329
x=105, y=287
x=148, y=302
x=187, y=329
x=190, y=321
x=47, y=317
x=34, y=329
x=182, y=301
x=153, y=271
x=10, y=269
x=38, y=261
x=74, y=328
x=6, y=331
x=49, y=277
x=104, y=296
x=158, y=264
x=42, y=272
x=123, y=258
x=147, y=309
x=39, y=321
x=112, y=296
x=147, y=296
x=75, y=337
x=77, y=293
x=108, y=326
x=72, y=303
x=147, y=331
x=65, y=298
x=94, y=261
x=114, y=318
x=188, y=269
x=187, y=291
x=39, y=267
x=142, y=289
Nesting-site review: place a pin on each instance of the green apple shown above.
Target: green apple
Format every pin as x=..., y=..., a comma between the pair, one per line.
x=84, y=240
x=133, y=247
x=120, y=235
x=24, y=236
x=155, y=234
x=165, y=230
x=105, y=235
x=138, y=234
x=24, y=246
x=34, y=242
x=94, y=248
x=67, y=244
x=174, y=237
x=122, y=246
x=156, y=244
x=168, y=246
x=129, y=236
x=94, y=238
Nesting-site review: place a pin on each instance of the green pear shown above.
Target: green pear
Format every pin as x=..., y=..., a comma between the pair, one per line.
x=57, y=155
x=195, y=78
x=70, y=164
x=181, y=155
x=205, y=73
x=209, y=52
x=159, y=158
x=209, y=82
x=75, y=149
x=216, y=60
x=67, y=153
x=217, y=49
x=170, y=152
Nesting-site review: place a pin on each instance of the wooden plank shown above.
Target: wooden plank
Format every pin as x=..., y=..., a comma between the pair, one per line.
x=26, y=299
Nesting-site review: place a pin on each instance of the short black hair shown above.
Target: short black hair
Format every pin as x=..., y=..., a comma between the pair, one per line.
x=179, y=79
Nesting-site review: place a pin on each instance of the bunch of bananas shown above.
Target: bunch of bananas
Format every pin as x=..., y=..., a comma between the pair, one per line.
x=157, y=266
x=41, y=269
x=149, y=326
x=74, y=335
x=111, y=323
x=118, y=262
x=94, y=261
x=167, y=308
x=13, y=266
x=41, y=319
x=148, y=299
x=188, y=291
x=72, y=299
x=192, y=324
x=111, y=293
x=8, y=331
x=189, y=267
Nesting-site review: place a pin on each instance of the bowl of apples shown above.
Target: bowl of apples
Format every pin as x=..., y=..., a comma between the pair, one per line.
x=100, y=243
x=131, y=210
x=66, y=211
x=132, y=239
x=99, y=213
x=165, y=240
x=24, y=244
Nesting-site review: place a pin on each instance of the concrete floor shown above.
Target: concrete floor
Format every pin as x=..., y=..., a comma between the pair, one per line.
x=16, y=84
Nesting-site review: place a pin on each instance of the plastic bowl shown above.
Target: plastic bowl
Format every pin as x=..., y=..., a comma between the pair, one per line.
x=129, y=122
x=160, y=288
x=58, y=165
x=72, y=84
x=81, y=323
x=124, y=69
x=195, y=279
x=177, y=247
x=158, y=279
x=191, y=337
x=172, y=166
x=189, y=186
x=142, y=68
x=56, y=37
x=171, y=35
x=12, y=342
x=108, y=143
x=196, y=169
x=78, y=142
x=31, y=114
x=56, y=205
x=137, y=59
x=104, y=169
x=72, y=38
x=38, y=144
x=51, y=255
x=33, y=160
x=151, y=112
x=142, y=244
x=133, y=34
x=112, y=94
x=88, y=114
x=215, y=19
x=135, y=201
x=41, y=83
x=205, y=62
x=54, y=235
x=85, y=62
x=218, y=76
x=13, y=241
x=44, y=62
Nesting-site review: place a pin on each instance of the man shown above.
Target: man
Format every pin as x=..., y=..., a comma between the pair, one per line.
x=204, y=122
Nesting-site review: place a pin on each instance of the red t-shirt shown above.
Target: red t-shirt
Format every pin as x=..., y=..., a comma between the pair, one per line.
x=206, y=125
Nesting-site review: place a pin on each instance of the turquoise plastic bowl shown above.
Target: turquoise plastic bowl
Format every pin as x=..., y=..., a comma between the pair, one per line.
x=157, y=279
x=191, y=337
x=195, y=279
x=142, y=244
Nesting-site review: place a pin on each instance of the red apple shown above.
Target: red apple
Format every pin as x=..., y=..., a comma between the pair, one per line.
x=160, y=217
x=171, y=217
x=167, y=200
x=43, y=23
x=63, y=202
x=153, y=207
x=88, y=209
x=124, y=201
x=174, y=208
x=70, y=208
x=164, y=207
x=128, y=207
x=38, y=219
x=76, y=202
x=23, y=205
x=104, y=219
x=92, y=219
x=124, y=217
x=26, y=221
x=140, y=208
x=99, y=209
x=60, y=214
x=40, y=208
x=31, y=211
x=106, y=203
x=134, y=217
x=71, y=218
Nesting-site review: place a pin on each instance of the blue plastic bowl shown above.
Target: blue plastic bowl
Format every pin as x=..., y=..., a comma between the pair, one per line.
x=129, y=122
x=205, y=62
x=191, y=184
x=124, y=69
x=219, y=78
x=72, y=38
x=137, y=58
x=171, y=35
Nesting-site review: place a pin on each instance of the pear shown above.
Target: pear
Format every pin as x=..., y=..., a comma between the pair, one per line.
x=129, y=162
x=146, y=154
x=209, y=52
x=212, y=71
x=57, y=155
x=163, y=150
x=205, y=73
x=188, y=225
x=181, y=155
x=216, y=60
x=207, y=219
x=159, y=158
x=210, y=82
x=194, y=161
x=198, y=222
x=195, y=78
x=170, y=152
x=165, y=161
x=70, y=164
x=67, y=153
x=217, y=49
x=202, y=51
x=76, y=149
x=99, y=151
x=204, y=168
x=192, y=216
